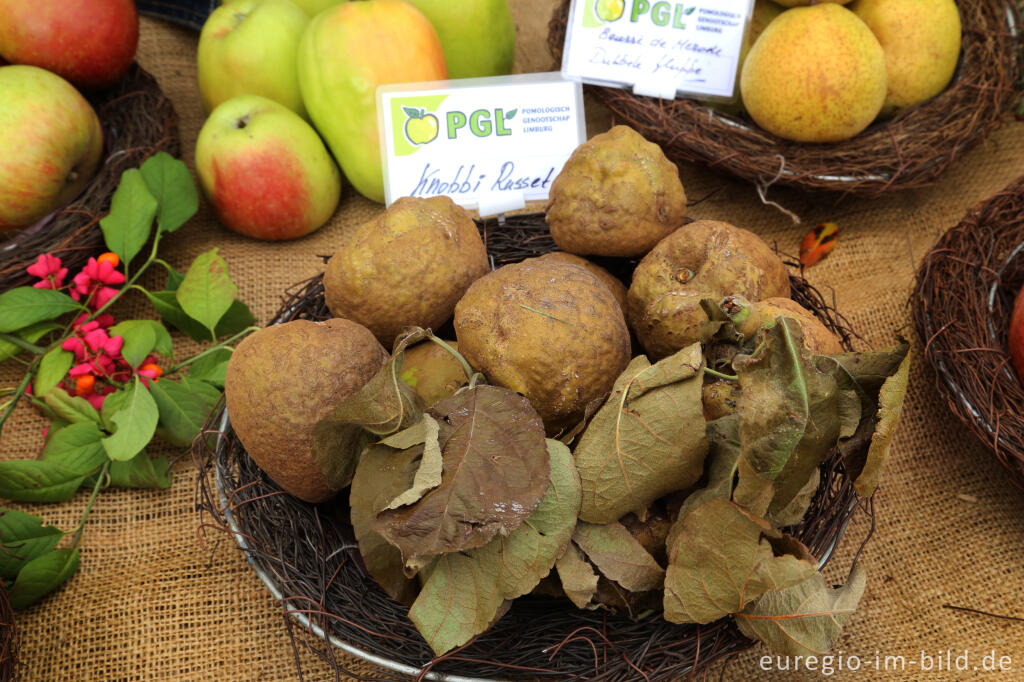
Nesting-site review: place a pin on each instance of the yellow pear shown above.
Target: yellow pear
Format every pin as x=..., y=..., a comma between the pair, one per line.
x=816, y=74
x=765, y=11
x=921, y=40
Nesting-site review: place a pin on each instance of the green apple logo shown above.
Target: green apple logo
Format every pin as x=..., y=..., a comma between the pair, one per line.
x=609, y=10
x=420, y=127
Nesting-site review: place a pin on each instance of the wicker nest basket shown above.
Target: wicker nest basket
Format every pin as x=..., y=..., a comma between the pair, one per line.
x=138, y=121
x=8, y=639
x=307, y=556
x=963, y=301
x=908, y=151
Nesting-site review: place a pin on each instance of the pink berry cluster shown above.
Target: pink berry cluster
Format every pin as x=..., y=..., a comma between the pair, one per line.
x=99, y=368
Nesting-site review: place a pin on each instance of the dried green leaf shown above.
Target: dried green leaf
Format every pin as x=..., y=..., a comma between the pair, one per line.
x=619, y=556
x=382, y=474
x=384, y=406
x=890, y=407
x=23, y=537
x=428, y=475
x=579, y=580
x=804, y=619
x=464, y=591
x=723, y=459
x=871, y=369
x=721, y=560
x=647, y=441
x=495, y=472
x=793, y=513
x=788, y=419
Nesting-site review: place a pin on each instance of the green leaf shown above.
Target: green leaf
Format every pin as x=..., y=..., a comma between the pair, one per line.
x=141, y=471
x=210, y=394
x=71, y=409
x=31, y=334
x=142, y=337
x=464, y=591
x=619, y=556
x=207, y=291
x=890, y=407
x=496, y=470
x=43, y=575
x=23, y=537
x=721, y=560
x=33, y=480
x=77, y=448
x=182, y=412
x=804, y=619
x=511, y=115
x=53, y=368
x=237, y=318
x=174, y=279
x=211, y=368
x=134, y=423
x=412, y=112
x=24, y=306
x=132, y=208
x=647, y=440
x=788, y=419
x=384, y=406
x=171, y=185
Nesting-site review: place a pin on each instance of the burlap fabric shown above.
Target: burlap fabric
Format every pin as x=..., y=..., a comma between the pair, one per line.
x=154, y=602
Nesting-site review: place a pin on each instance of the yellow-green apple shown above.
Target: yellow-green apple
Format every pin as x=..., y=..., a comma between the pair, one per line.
x=89, y=42
x=310, y=7
x=248, y=48
x=345, y=53
x=265, y=170
x=478, y=36
x=51, y=143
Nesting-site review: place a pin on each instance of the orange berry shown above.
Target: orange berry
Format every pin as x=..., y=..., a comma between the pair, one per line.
x=155, y=368
x=85, y=384
x=109, y=257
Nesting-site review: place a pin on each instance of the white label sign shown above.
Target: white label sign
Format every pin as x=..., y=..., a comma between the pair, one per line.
x=488, y=143
x=657, y=48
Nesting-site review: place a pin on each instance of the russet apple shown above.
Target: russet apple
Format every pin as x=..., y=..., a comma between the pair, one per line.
x=345, y=53
x=89, y=42
x=265, y=170
x=248, y=47
x=1016, y=336
x=51, y=143
x=478, y=36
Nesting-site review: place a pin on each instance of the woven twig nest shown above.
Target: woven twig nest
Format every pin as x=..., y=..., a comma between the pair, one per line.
x=963, y=301
x=308, y=557
x=138, y=121
x=8, y=639
x=910, y=150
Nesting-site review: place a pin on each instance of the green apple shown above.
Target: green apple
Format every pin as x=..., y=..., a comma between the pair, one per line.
x=265, y=170
x=345, y=54
x=478, y=36
x=310, y=7
x=51, y=143
x=248, y=48
x=420, y=127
